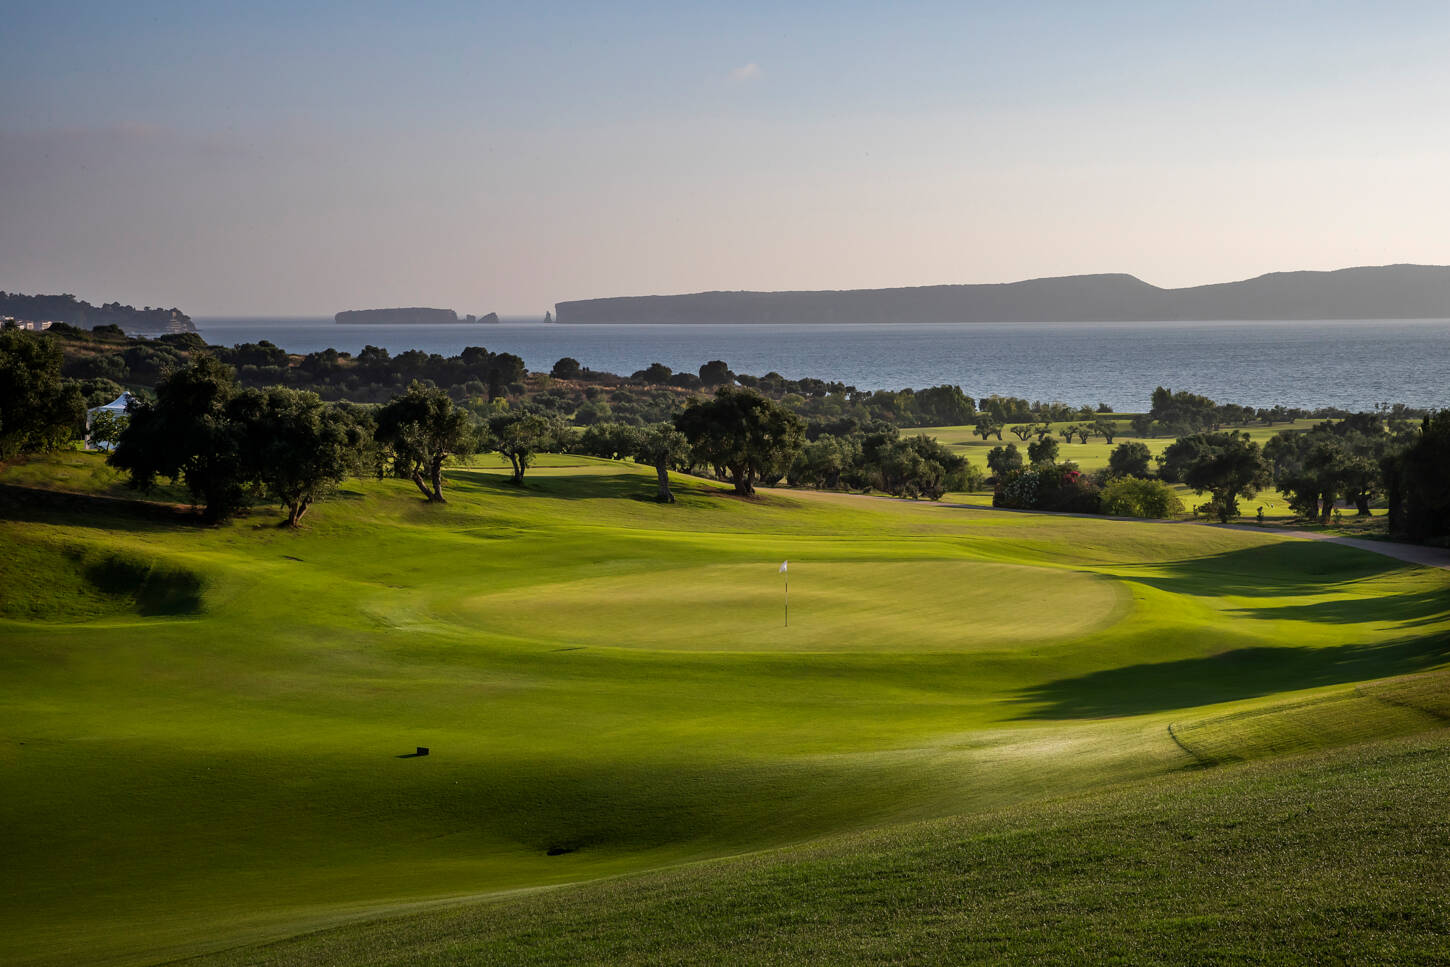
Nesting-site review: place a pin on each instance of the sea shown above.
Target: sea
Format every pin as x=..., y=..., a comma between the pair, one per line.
x=1353, y=364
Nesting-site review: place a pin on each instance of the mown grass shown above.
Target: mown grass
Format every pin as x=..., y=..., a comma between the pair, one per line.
x=204, y=742
x=1334, y=858
x=1094, y=454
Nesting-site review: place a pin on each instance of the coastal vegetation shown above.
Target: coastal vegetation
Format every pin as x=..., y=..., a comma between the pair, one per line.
x=805, y=433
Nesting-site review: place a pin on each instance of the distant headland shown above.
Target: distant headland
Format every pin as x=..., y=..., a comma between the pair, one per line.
x=44, y=311
x=413, y=315
x=1370, y=292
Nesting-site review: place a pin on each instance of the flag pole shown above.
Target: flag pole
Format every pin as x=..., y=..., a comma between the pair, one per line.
x=785, y=569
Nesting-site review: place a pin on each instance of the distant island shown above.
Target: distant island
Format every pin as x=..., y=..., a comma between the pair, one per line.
x=1372, y=292
x=43, y=311
x=414, y=315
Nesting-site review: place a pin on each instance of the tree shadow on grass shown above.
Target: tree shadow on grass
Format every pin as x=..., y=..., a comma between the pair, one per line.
x=1230, y=676
x=1288, y=568
x=574, y=487
x=1409, y=610
x=584, y=486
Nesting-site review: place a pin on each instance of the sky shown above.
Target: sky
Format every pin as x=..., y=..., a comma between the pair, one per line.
x=292, y=159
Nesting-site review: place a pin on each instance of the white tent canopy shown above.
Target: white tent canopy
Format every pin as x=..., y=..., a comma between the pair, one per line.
x=117, y=405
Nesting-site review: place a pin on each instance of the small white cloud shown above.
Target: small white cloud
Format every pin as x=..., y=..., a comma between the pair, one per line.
x=745, y=73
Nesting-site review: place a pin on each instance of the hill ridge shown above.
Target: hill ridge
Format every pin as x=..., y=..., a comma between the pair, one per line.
x=1398, y=291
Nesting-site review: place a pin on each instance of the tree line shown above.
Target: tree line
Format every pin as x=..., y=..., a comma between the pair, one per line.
x=230, y=443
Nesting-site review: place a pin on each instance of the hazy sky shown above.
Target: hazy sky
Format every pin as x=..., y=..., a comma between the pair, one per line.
x=261, y=158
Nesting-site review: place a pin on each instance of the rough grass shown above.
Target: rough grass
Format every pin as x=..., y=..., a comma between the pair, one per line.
x=607, y=687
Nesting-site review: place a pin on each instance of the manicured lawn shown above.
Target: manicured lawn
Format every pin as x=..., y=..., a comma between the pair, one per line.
x=201, y=729
x=1094, y=454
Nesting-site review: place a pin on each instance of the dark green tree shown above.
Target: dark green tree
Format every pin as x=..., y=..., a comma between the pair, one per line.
x=566, y=368
x=988, y=426
x=1418, y=480
x=1225, y=465
x=421, y=429
x=523, y=436
x=716, y=373
x=944, y=405
x=189, y=434
x=654, y=373
x=1004, y=459
x=612, y=441
x=665, y=448
x=916, y=466
x=39, y=410
x=1106, y=429
x=297, y=447
x=1042, y=451
x=743, y=432
x=1129, y=459
x=825, y=462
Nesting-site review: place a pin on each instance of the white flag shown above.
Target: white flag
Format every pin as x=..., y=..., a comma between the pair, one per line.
x=782, y=566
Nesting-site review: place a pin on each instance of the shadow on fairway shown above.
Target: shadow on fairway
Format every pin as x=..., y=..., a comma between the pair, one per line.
x=1289, y=568
x=1233, y=675
x=1410, y=610
x=584, y=486
x=156, y=590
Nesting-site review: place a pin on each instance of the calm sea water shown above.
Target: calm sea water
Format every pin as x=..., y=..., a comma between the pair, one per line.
x=1349, y=364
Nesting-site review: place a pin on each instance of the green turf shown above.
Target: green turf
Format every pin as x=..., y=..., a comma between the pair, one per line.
x=1094, y=454
x=1332, y=859
x=202, y=726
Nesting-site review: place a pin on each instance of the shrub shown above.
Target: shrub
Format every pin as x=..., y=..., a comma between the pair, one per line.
x=1060, y=487
x=1134, y=497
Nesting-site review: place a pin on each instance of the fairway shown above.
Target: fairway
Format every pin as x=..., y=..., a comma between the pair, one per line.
x=206, y=730
x=1093, y=455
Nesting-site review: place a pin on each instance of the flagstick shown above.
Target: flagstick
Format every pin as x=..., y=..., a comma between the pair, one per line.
x=787, y=600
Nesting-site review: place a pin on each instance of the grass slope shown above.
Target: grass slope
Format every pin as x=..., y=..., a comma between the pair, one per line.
x=1334, y=858
x=203, y=726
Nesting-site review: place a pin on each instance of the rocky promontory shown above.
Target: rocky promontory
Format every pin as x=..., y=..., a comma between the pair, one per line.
x=413, y=315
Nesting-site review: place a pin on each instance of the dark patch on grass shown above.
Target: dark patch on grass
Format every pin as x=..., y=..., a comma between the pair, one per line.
x=1237, y=674
x=156, y=591
x=1284, y=569
x=1416, y=608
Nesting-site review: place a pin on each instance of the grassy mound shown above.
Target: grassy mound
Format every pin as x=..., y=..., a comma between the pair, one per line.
x=50, y=582
x=606, y=687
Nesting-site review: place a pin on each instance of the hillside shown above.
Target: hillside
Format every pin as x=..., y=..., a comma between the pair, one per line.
x=39, y=309
x=1377, y=292
x=213, y=727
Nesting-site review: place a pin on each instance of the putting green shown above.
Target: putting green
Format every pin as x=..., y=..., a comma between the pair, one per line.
x=834, y=606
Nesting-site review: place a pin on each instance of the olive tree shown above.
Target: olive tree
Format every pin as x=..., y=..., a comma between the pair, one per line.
x=1226, y=465
x=422, y=428
x=523, y=436
x=664, y=448
x=744, y=433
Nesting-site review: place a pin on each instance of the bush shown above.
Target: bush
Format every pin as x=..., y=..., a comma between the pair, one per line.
x=1134, y=497
x=1059, y=487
